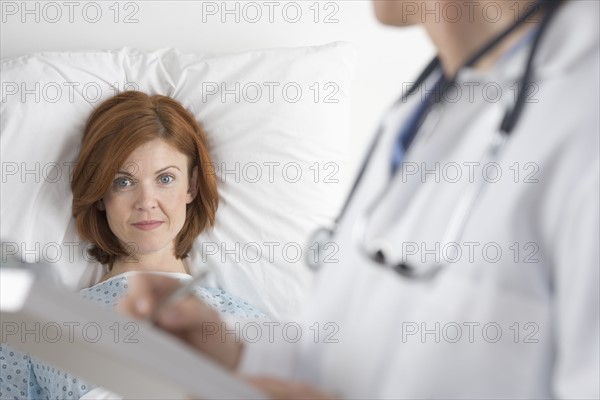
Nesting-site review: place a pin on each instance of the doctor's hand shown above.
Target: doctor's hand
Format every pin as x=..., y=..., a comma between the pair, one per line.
x=187, y=319
x=280, y=389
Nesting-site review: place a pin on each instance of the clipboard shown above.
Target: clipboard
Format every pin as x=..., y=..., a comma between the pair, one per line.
x=128, y=357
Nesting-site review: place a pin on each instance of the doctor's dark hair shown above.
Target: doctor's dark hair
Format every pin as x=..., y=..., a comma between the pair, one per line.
x=114, y=130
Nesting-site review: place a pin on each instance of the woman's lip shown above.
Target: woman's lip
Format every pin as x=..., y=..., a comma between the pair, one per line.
x=147, y=225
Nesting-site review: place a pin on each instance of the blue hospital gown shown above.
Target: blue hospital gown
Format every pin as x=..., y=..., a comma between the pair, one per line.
x=25, y=377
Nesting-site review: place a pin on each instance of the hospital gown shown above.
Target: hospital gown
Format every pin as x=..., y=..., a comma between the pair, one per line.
x=25, y=377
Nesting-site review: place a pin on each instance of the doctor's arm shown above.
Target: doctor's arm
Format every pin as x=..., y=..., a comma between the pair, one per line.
x=186, y=320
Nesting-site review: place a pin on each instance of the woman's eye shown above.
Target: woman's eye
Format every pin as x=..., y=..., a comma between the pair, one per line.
x=122, y=182
x=166, y=179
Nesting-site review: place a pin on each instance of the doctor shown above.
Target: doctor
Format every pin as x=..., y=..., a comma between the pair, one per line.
x=469, y=250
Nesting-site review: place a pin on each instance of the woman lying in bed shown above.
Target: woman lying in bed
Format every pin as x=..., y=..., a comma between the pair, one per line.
x=142, y=193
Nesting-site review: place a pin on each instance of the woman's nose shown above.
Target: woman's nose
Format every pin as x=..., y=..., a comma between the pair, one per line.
x=146, y=198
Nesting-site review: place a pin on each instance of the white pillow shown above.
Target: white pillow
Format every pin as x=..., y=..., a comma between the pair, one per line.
x=277, y=120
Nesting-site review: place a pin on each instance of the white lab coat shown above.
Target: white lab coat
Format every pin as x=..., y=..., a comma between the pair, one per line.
x=522, y=325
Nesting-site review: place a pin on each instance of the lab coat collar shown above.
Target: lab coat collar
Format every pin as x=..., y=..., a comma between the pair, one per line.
x=573, y=33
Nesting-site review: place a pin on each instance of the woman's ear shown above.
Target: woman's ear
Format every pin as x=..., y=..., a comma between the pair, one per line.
x=100, y=205
x=193, y=186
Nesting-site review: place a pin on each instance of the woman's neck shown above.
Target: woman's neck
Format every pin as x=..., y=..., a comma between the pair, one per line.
x=457, y=42
x=147, y=262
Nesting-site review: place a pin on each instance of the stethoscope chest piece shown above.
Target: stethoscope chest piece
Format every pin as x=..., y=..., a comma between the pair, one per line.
x=318, y=246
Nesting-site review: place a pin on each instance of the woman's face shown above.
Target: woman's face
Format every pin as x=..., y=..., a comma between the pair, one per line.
x=146, y=203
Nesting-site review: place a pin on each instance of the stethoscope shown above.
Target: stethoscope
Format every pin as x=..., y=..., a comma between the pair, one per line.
x=378, y=249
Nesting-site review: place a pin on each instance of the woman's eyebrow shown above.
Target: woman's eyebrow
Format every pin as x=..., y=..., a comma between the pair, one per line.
x=166, y=168
x=127, y=173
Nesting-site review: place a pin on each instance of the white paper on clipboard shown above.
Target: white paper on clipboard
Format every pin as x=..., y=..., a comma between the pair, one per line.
x=130, y=357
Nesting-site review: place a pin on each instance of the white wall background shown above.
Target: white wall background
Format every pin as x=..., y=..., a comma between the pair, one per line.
x=387, y=56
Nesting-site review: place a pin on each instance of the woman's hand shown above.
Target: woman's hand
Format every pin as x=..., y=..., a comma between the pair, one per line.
x=189, y=319
x=280, y=389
